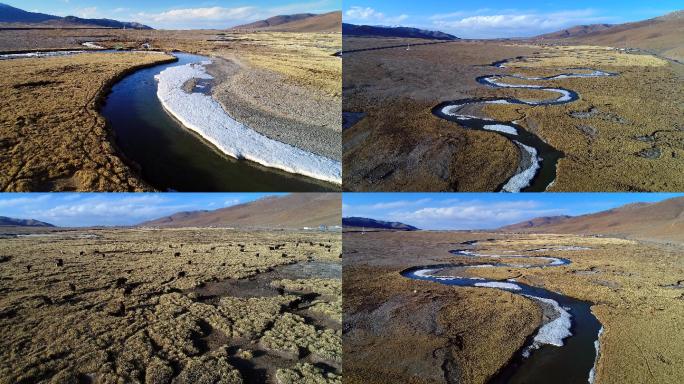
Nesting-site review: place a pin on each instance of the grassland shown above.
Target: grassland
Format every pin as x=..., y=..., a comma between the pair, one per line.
x=284, y=85
x=631, y=139
x=401, y=330
x=52, y=137
x=162, y=306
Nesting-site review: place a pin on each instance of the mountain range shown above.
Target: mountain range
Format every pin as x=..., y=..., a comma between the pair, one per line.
x=363, y=222
x=663, y=35
x=401, y=32
x=12, y=222
x=662, y=221
x=15, y=17
x=301, y=22
x=289, y=211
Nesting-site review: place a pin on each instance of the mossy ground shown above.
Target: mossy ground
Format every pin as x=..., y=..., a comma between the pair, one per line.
x=125, y=306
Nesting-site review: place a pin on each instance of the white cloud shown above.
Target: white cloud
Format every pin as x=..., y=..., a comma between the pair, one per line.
x=453, y=213
x=231, y=202
x=513, y=23
x=86, y=13
x=201, y=14
x=22, y=201
x=369, y=15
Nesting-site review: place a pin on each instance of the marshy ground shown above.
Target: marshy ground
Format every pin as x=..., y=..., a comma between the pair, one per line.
x=623, y=134
x=163, y=306
x=284, y=85
x=402, y=330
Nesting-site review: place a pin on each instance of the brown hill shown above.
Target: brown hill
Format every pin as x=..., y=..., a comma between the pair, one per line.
x=662, y=221
x=291, y=211
x=661, y=35
x=576, y=31
x=305, y=22
x=537, y=222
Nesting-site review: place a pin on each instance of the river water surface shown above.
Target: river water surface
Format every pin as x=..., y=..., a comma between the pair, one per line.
x=172, y=157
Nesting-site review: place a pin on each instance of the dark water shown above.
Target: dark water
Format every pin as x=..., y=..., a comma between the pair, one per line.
x=173, y=158
x=549, y=155
x=570, y=363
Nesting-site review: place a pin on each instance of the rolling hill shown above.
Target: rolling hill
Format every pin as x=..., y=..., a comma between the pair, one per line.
x=15, y=17
x=661, y=35
x=401, y=32
x=576, y=31
x=663, y=221
x=12, y=222
x=303, y=22
x=290, y=211
x=363, y=222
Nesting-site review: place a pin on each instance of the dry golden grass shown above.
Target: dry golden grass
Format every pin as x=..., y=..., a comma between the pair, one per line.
x=184, y=305
x=633, y=143
x=635, y=287
x=51, y=135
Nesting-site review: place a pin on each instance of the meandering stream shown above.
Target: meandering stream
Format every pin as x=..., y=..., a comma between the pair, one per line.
x=537, y=167
x=563, y=350
x=209, y=151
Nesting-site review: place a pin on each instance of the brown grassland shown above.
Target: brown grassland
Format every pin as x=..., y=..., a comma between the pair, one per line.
x=51, y=135
x=631, y=139
x=285, y=85
x=170, y=306
x=402, y=330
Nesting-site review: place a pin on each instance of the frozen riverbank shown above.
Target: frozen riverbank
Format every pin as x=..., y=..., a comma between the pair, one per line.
x=205, y=116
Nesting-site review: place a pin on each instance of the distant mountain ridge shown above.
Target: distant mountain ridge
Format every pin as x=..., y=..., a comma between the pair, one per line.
x=576, y=31
x=301, y=22
x=662, y=35
x=536, y=222
x=663, y=220
x=364, y=222
x=12, y=222
x=403, y=32
x=12, y=15
x=289, y=211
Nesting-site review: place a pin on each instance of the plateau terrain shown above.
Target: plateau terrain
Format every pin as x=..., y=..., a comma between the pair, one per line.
x=274, y=93
x=509, y=306
x=193, y=304
x=571, y=111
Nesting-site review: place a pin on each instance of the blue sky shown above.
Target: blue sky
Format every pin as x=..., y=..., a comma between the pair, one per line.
x=501, y=18
x=89, y=209
x=178, y=14
x=482, y=210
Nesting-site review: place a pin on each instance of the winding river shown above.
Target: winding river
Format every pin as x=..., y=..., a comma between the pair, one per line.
x=537, y=167
x=172, y=157
x=209, y=151
x=565, y=347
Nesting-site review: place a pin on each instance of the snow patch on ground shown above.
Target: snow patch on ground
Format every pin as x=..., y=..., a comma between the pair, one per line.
x=523, y=178
x=10, y=56
x=204, y=115
x=501, y=128
x=500, y=285
x=553, y=332
x=90, y=44
x=597, y=345
x=425, y=272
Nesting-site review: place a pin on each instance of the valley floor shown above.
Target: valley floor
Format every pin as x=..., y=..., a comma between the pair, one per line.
x=284, y=85
x=400, y=330
x=623, y=134
x=175, y=305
